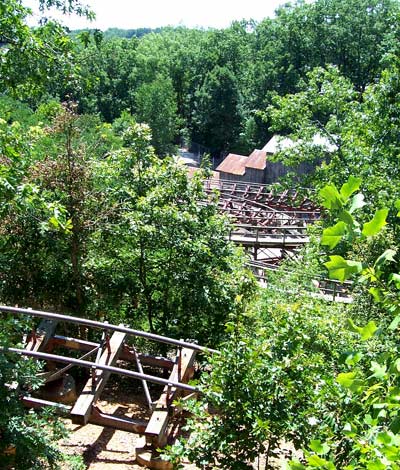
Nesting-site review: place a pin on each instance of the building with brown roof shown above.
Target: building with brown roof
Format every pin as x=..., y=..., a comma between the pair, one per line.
x=256, y=168
x=241, y=168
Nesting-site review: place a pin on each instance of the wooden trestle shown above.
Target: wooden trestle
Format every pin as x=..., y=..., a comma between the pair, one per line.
x=114, y=347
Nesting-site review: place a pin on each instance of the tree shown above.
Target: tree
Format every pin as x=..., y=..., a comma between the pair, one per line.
x=361, y=129
x=32, y=57
x=216, y=121
x=106, y=79
x=165, y=245
x=368, y=434
x=156, y=105
x=272, y=381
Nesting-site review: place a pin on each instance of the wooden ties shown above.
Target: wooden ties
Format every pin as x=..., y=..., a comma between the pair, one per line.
x=94, y=386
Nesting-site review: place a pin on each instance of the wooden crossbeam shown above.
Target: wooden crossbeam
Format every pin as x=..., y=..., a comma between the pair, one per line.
x=94, y=386
x=123, y=423
x=156, y=430
x=39, y=338
x=126, y=354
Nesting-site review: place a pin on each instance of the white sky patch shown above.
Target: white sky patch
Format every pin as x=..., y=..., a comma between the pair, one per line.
x=131, y=14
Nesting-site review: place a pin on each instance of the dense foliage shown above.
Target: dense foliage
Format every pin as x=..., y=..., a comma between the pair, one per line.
x=98, y=220
x=249, y=63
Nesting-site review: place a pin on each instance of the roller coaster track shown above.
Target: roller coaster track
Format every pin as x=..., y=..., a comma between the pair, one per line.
x=271, y=225
x=264, y=218
x=266, y=195
x=114, y=353
x=315, y=285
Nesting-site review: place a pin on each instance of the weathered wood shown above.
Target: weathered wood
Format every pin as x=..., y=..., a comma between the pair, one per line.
x=94, y=386
x=156, y=431
x=122, y=423
x=126, y=354
x=90, y=365
x=106, y=326
x=39, y=338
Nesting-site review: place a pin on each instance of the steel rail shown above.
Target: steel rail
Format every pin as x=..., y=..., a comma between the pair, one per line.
x=104, y=325
x=91, y=365
x=271, y=186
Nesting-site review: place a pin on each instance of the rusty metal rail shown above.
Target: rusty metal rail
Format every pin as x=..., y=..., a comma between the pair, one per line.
x=42, y=341
x=330, y=288
x=90, y=365
x=104, y=326
x=270, y=195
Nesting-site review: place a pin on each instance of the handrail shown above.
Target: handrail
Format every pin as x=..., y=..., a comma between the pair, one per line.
x=90, y=365
x=97, y=324
x=273, y=186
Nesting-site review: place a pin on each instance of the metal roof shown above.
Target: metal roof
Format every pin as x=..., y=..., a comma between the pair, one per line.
x=277, y=143
x=233, y=164
x=257, y=159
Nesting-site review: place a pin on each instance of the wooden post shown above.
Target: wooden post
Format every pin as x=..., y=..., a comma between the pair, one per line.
x=94, y=386
x=156, y=431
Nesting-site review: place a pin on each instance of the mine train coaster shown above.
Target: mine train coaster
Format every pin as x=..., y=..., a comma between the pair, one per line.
x=102, y=361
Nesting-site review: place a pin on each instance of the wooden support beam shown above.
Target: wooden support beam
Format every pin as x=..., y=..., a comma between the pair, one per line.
x=39, y=338
x=60, y=408
x=126, y=354
x=122, y=423
x=94, y=386
x=156, y=431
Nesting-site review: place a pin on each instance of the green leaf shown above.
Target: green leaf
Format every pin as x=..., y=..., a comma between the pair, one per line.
x=357, y=202
x=397, y=206
x=376, y=293
x=350, y=380
x=318, y=447
x=353, y=358
x=395, y=425
x=375, y=225
x=368, y=331
x=385, y=438
x=346, y=217
x=394, y=277
x=346, y=379
x=331, y=236
x=365, y=332
x=342, y=269
x=351, y=326
x=378, y=371
x=315, y=461
x=376, y=465
x=387, y=255
x=352, y=185
x=395, y=323
x=331, y=198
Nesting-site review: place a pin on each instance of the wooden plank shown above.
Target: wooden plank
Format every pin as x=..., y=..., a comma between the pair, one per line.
x=122, y=423
x=39, y=339
x=156, y=430
x=60, y=408
x=126, y=354
x=94, y=386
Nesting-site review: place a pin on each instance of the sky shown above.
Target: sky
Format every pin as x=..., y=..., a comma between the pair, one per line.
x=131, y=14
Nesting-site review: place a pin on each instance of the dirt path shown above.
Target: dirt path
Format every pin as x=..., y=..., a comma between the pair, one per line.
x=109, y=449
x=105, y=448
